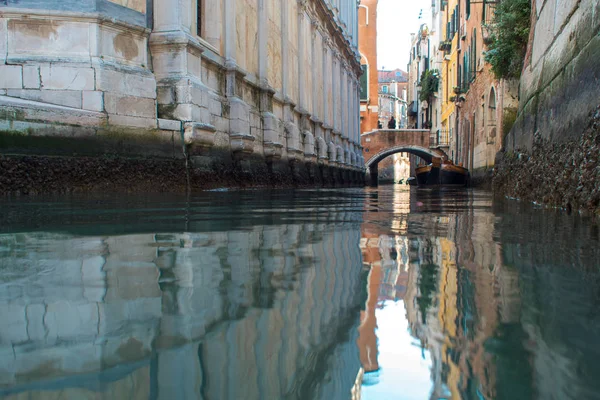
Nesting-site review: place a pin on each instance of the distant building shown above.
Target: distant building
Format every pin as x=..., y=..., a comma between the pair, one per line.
x=418, y=110
x=393, y=87
x=367, y=46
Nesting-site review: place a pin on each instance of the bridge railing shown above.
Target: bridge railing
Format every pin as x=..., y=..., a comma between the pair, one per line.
x=440, y=138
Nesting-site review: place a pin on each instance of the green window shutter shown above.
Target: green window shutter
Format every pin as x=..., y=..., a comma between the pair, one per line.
x=364, y=83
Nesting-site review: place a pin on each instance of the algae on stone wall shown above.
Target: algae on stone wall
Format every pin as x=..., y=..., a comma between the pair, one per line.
x=508, y=120
x=563, y=174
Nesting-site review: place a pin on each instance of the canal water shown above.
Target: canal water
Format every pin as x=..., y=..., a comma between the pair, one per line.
x=383, y=293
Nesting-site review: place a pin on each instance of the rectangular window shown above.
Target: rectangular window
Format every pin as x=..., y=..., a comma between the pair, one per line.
x=199, y=4
x=468, y=6
x=474, y=54
x=484, y=12
x=385, y=89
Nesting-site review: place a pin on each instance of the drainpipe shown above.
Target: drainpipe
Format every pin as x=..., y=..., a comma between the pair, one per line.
x=185, y=156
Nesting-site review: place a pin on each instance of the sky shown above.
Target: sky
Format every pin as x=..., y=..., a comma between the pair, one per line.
x=405, y=369
x=396, y=20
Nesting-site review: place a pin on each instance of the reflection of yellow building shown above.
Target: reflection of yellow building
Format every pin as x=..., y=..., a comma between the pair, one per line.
x=448, y=313
x=449, y=42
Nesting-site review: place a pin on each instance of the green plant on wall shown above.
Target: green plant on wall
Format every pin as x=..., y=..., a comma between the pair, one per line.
x=430, y=80
x=508, y=36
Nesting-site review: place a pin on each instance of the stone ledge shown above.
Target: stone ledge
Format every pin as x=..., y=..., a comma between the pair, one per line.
x=169, y=124
x=25, y=110
x=61, y=15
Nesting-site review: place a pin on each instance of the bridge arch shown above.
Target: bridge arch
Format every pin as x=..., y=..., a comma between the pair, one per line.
x=381, y=143
x=424, y=153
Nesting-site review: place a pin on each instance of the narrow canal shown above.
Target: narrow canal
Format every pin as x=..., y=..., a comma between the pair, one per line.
x=386, y=293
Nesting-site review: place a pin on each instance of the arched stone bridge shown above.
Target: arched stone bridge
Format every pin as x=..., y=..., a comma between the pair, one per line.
x=381, y=143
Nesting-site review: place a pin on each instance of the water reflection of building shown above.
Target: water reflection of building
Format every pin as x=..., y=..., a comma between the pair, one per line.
x=386, y=261
x=448, y=280
x=253, y=314
x=504, y=304
x=468, y=308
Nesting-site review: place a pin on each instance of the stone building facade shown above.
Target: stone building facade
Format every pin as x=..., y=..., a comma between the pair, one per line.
x=253, y=84
x=560, y=82
x=367, y=25
x=418, y=63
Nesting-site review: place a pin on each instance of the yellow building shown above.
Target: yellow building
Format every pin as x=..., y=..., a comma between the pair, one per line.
x=449, y=44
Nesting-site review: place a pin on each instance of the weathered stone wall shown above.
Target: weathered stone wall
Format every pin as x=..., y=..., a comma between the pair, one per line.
x=551, y=154
x=564, y=174
x=561, y=78
x=254, y=84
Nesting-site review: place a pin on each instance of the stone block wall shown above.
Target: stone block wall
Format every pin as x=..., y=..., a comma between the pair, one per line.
x=561, y=78
x=252, y=84
x=80, y=61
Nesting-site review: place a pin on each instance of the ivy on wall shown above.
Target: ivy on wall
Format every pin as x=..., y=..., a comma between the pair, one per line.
x=508, y=36
x=430, y=80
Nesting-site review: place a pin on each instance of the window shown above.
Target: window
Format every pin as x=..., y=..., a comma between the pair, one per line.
x=384, y=89
x=468, y=6
x=492, y=107
x=474, y=54
x=199, y=25
x=364, y=83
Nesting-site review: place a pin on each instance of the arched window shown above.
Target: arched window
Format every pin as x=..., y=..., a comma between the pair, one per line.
x=492, y=115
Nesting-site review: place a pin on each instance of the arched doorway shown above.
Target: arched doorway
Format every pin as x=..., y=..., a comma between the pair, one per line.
x=466, y=145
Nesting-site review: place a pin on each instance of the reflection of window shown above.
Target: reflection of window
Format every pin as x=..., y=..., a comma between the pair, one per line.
x=364, y=83
x=385, y=89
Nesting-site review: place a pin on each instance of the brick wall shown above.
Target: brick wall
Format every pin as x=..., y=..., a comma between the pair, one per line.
x=367, y=46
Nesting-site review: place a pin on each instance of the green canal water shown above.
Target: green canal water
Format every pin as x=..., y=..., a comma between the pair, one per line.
x=381, y=293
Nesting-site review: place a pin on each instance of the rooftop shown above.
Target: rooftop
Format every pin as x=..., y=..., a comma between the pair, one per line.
x=396, y=75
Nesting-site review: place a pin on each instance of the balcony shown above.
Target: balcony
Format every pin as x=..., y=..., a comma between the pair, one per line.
x=439, y=138
x=446, y=46
x=413, y=109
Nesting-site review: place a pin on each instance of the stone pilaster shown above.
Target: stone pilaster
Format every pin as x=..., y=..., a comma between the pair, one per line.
x=177, y=60
x=272, y=135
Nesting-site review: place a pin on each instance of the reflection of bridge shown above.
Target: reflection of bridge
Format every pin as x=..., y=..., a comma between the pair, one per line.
x=382, y=143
